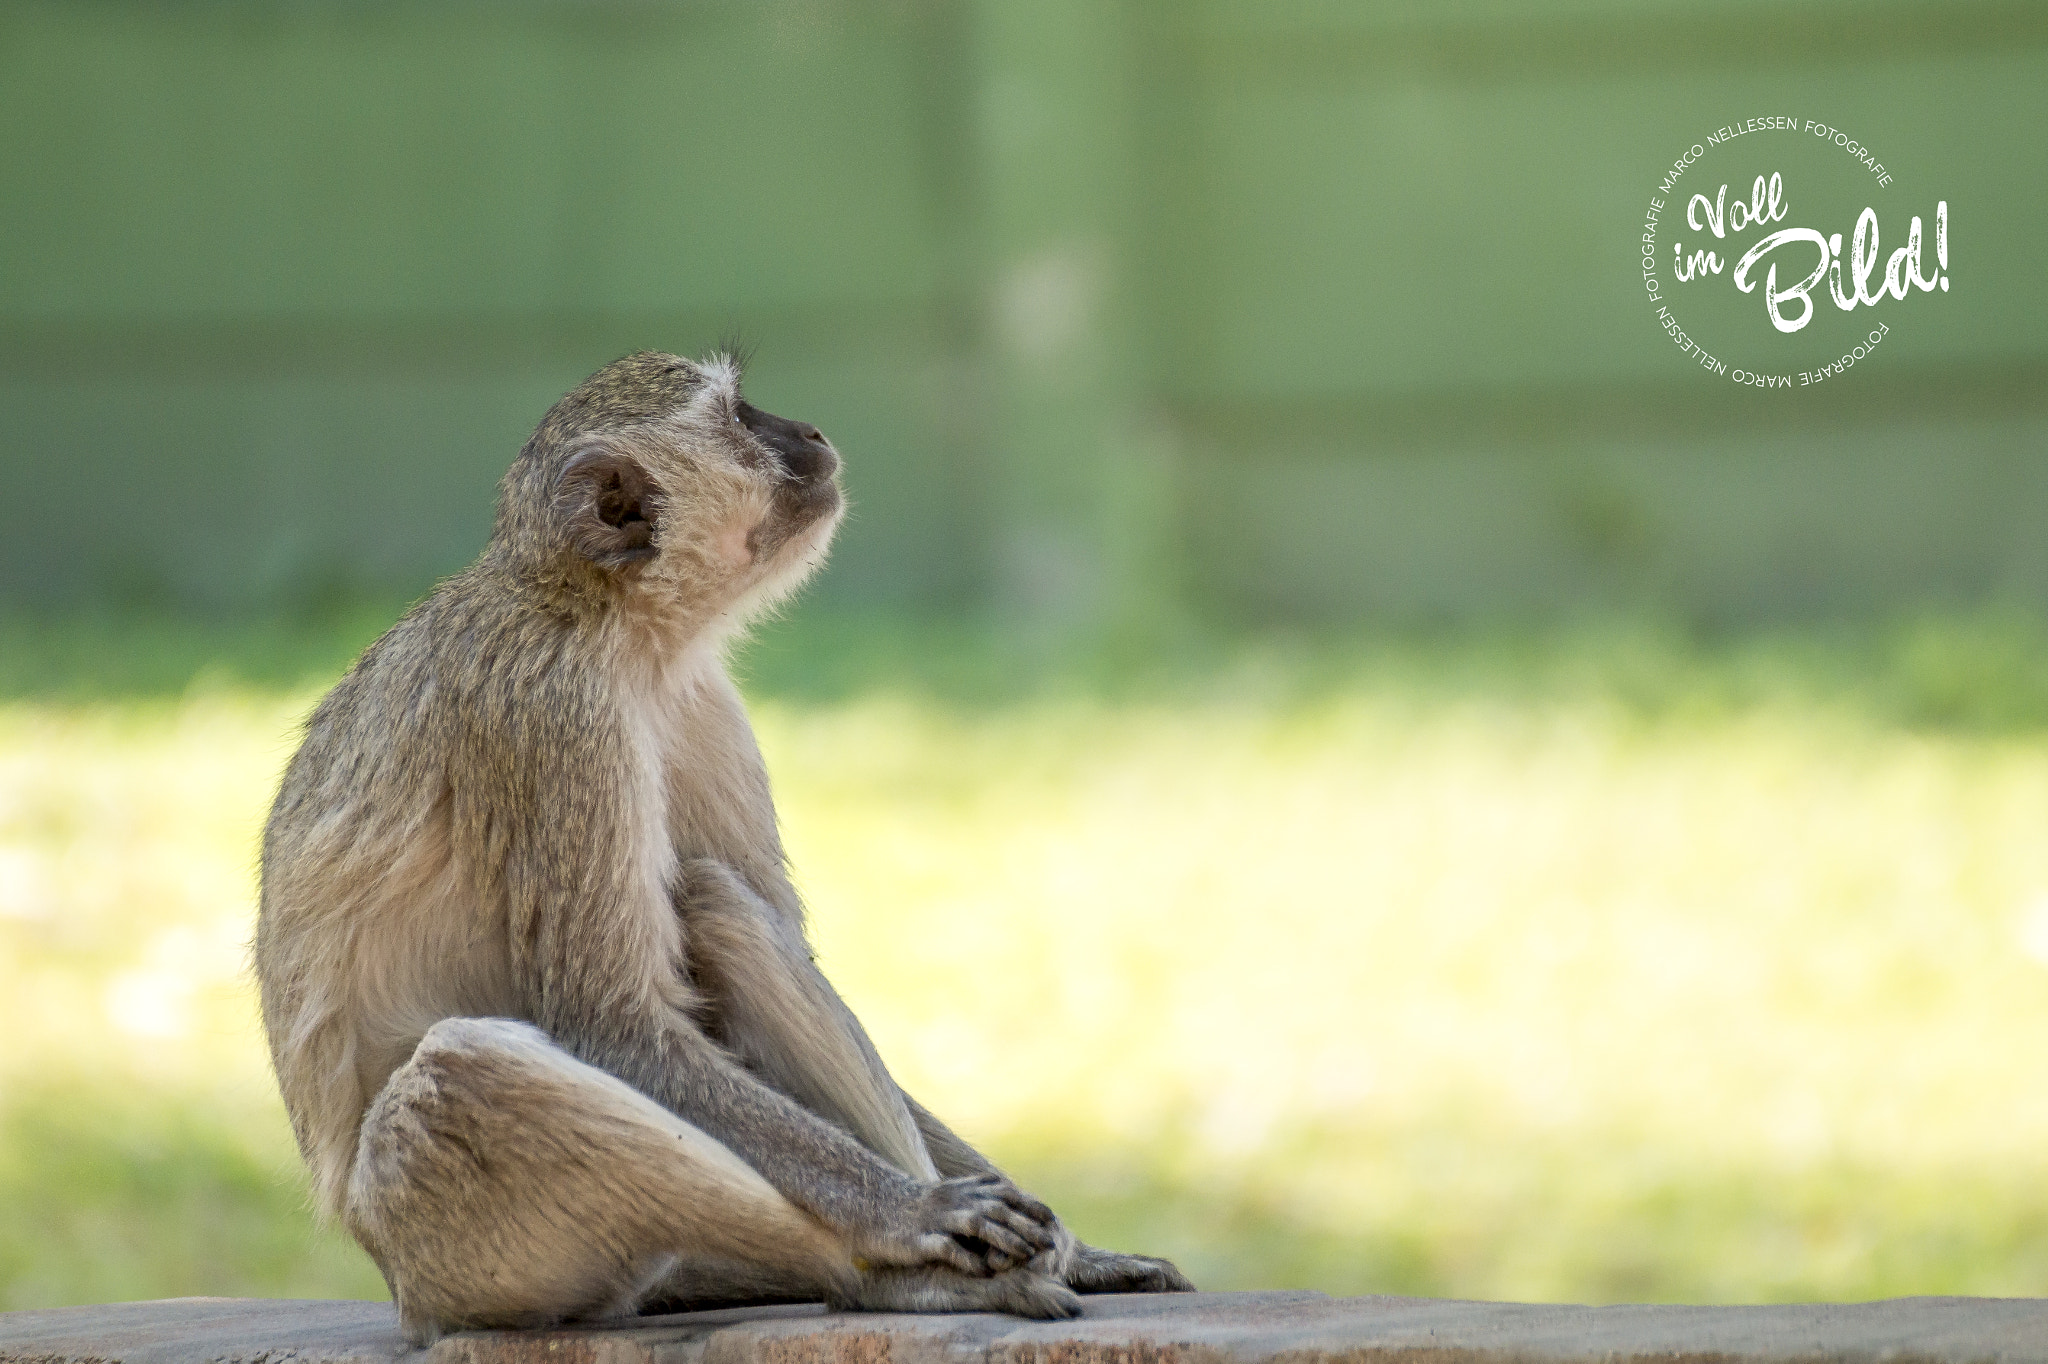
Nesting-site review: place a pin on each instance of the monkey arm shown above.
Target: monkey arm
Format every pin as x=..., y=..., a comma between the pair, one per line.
x=786, y=1022
x=884, y=1215
x=600, y=953
x=783, y=1020
x=789, y=1025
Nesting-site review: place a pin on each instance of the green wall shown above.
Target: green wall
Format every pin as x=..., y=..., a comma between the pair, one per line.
x=1291, y=309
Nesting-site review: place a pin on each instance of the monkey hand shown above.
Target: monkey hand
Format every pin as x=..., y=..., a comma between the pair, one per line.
x=1107, y=1271
x=1055, y=1260
x=977, y=1224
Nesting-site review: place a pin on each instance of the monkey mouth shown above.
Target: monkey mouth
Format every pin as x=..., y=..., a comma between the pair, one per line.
x=796, y=511
x=803, y=503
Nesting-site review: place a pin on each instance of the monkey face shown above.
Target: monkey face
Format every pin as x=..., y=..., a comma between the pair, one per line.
x=661, y=477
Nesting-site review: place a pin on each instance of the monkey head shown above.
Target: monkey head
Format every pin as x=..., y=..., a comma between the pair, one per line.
x=656, y=483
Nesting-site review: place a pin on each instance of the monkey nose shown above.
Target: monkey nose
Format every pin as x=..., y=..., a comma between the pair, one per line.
x=799, y=446
x=810, y=457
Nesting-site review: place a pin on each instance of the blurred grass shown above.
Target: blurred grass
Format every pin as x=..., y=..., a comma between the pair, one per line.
x=1604, y=961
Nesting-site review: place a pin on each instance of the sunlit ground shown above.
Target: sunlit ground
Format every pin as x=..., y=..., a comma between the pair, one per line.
x=1594, y=964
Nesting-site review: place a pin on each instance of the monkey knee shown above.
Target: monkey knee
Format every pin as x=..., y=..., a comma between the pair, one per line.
x=506, y=1038
x=435, y=1111
x=455, y=1057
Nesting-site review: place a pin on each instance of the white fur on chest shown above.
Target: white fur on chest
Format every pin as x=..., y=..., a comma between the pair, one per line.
x=708, y=788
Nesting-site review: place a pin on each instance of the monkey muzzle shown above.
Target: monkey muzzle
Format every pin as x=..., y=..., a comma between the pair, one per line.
x=799, y=447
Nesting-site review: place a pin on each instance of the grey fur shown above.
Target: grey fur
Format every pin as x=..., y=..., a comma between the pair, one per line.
x=533, y=972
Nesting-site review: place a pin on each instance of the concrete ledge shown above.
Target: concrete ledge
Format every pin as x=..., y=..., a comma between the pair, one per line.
x=1195, y=1328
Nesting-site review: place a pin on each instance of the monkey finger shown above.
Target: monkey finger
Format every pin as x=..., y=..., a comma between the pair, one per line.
x=937, y=1247
x=1040, y=1235
x=1000, y=1260
x=1026, y=1204
x=976, y=1229
x=999, y=1238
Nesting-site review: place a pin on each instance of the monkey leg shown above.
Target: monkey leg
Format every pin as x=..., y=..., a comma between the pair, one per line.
x=501, y=1182
x=701, y=1282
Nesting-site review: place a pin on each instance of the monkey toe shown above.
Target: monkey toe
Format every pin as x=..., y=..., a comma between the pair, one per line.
x=1034, y=1295
x=1104, y=1271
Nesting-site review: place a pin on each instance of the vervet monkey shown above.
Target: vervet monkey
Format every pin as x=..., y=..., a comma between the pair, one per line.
x=533, y=972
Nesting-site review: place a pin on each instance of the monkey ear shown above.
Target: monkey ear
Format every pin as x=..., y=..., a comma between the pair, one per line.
x=610, y=507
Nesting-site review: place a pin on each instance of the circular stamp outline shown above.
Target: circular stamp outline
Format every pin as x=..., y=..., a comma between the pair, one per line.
x=1652, y=217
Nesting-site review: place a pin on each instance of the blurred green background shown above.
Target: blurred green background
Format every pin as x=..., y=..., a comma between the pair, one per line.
x=1326, y=743
x=1297, y=309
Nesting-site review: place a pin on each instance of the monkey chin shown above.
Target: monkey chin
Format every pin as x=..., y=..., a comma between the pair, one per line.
x=788, y=548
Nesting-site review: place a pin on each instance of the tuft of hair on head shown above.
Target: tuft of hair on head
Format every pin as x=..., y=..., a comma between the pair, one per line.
x=735, y=351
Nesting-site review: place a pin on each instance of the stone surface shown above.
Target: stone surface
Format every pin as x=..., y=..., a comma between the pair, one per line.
x=1197, y=1328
